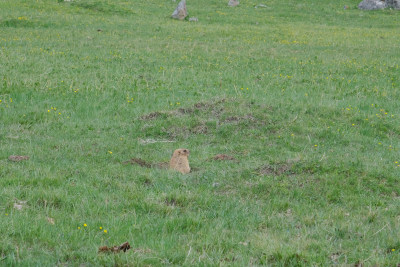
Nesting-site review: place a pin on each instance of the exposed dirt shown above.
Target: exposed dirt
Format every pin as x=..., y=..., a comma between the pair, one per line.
x=248, y=119
x=185, y=132
x=171, y=202
x=17, y=158
x=237, y=119
x=201, y=129
x=185, y=110
x=161, y=165
x=123, y=247
x=232, y=119
x=213, y=108
x=152, y=141
x=178, y=131
x=50, y=220
x=277, y=169
x=151, y=116
x=223, y=157
x=202, y=107
x=145, y=164
x=139, y=162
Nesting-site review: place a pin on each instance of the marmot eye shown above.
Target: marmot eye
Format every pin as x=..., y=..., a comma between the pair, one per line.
x=184, y=150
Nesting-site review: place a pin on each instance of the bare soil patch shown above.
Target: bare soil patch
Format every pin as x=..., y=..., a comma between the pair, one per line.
x=139, y=162
x=151, y=116
x=146, y=164
x=200, y=129
x=221, y=157
x=161, y=165
x=15, y=158
x=171, y=202
x=211, y=108
x=184, y=132
x=232, y=119
x=277, y=169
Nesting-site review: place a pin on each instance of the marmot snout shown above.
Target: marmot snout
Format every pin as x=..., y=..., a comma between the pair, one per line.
x=179, y=160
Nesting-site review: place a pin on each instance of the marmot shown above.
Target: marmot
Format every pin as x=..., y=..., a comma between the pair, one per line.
x=179, y=160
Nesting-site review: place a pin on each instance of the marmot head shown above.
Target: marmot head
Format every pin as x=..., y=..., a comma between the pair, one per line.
x=182, y=152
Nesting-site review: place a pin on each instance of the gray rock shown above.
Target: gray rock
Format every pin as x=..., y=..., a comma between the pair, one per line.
x=193, y=19
x=233, y=3
x=372, y=4
x=180, y=11
x=393, y=3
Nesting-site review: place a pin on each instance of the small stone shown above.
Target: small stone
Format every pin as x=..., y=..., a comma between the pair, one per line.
x=233, y=3
x=193, y=19
x=17, y=206
x=393, y=3
x=180, y=11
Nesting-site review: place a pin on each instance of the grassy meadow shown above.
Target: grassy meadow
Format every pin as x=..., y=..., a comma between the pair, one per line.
x=303, y=95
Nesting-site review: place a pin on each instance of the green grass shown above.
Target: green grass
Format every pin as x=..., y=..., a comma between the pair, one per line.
x=303, y=94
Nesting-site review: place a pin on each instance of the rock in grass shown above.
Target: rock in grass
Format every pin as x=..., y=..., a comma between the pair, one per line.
x=394, y=3
x=180, y=11
x=233, y=3
x=372, y=4
x=19, y=205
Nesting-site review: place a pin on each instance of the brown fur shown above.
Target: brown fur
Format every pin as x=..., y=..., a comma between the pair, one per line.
x=179, y=160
